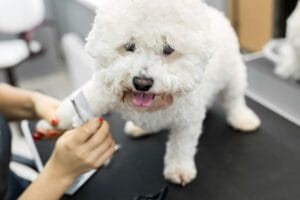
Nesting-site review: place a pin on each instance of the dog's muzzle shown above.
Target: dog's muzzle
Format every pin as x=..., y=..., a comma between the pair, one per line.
x=141, y=97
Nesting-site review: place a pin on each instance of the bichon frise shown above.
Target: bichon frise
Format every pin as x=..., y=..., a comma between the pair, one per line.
x=287, y=57
x=185, y=51
x=291, y=66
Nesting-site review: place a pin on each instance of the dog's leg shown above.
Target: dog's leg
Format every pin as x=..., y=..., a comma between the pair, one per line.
x=98, y=100
x=134, y=131
x=181, y=148
x=238, y=114
x=289, y=67
x=63, y=118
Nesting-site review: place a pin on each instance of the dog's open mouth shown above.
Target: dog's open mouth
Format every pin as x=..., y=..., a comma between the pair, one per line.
x=143, y=99
x=147, y=100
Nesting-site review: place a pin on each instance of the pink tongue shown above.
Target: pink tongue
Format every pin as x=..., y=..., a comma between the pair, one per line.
x=142, y=99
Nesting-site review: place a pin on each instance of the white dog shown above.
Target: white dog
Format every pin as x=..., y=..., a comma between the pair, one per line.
x=288, y=65
x=183, y=50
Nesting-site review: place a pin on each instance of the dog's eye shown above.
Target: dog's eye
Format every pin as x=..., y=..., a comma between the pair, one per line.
x=130, y=47
x=168, y=50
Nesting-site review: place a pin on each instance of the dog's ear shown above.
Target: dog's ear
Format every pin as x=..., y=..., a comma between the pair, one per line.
x=99, y=43
x=94, y=42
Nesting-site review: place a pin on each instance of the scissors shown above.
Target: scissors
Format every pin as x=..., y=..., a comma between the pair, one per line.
x=162, y=195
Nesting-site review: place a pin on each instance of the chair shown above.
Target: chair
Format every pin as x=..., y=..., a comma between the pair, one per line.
x=20, y=18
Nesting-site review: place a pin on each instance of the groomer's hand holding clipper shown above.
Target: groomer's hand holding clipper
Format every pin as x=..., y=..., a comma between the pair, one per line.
x=80, y=150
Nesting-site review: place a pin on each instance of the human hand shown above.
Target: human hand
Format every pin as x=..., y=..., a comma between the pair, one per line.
x=44, y=106
x=80, y=150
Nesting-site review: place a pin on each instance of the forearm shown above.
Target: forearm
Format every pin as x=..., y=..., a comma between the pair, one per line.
x=48, y=186
x=16, y=104
x=68, y=161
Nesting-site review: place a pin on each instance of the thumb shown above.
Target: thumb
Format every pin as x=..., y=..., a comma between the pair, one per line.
x=87, y=130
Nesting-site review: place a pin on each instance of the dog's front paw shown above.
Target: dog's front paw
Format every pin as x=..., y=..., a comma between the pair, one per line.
x=181, y=174
x=43, y=125
x=133, y=130
x=55, y=125
x=244, y=120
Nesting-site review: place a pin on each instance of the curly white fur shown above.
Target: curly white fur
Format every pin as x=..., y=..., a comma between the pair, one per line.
x=289, y=65
x=206, y=62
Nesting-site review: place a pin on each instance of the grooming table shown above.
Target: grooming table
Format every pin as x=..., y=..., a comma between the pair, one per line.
x=282, y=96
x=264, y=165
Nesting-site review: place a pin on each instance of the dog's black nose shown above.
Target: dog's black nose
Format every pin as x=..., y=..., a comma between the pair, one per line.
x=142, y=84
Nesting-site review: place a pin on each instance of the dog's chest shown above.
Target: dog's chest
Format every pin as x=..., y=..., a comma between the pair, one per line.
x=151, y=121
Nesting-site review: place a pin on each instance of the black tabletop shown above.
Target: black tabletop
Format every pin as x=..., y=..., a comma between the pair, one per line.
x=264, y=165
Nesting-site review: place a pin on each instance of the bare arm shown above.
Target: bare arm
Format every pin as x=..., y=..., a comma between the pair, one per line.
x=17, y=104
x=76, y=152
x=48, y=186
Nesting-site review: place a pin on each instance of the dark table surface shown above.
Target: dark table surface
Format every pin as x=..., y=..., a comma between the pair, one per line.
x=264, y=165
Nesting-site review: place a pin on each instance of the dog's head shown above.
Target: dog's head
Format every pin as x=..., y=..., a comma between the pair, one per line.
x=151, y=47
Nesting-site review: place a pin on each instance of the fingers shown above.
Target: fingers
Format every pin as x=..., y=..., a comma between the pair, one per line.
x=100, y=151
x=96, y=147
x=83, y=133
x=99, y=147
x=45, y=131
x=99, y=137
x=85, y=148
x=50, y=117
x=98, y=142
x=105, y=156
x=54, y=121
x=80, y=135
x=38, y=135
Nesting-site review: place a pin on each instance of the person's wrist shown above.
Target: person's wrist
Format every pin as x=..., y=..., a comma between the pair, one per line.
x=34, y=97
x=57, y=175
